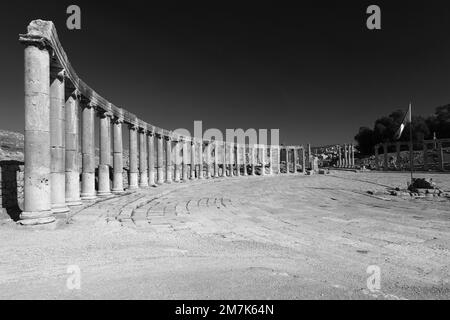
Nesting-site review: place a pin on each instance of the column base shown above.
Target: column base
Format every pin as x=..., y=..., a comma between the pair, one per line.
x=103, y=194
x=88, y=196
x=60, y=208
x=74, y=202
x=117, y=191
x=31, y=218
x=143, y=185
x=133, y=187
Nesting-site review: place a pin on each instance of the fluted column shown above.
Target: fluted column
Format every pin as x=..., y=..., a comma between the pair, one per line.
x=287, y=160
x=176, y=164
x=151, y=158
x=133, y=179
x=192, y=160
x=160, y=158
x=88, y=153
x=104, y=186
x=169, y=165
x=200, y=160
x=278, y=159
x=216, y=159
x=37, y=191
x=310, y=166
x=117, y=155
x=185, y=160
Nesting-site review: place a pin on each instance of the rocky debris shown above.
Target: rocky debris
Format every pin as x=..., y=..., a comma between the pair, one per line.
x=419, y=188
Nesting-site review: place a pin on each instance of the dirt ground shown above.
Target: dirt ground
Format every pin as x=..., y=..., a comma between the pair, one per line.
x=279, y=237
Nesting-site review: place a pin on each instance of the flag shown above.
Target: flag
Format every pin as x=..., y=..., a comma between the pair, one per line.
x=406, y=120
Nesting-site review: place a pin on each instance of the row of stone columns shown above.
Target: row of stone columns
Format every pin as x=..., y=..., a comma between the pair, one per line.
x=346, y=156
x=426, y=165
x=54, y=110
x=292, y=154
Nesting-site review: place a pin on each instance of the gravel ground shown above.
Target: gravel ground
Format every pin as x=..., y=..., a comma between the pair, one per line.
x=280, y=237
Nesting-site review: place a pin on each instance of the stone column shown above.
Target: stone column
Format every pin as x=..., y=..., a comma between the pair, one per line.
x=37, y=192
x=208, y=159
x=295, y=150
x=263, y=159
x=88, y=153
x=353, y=155
x=385, y=156
x=309, y=157
x=238, y=165
x=160, y=162
x=377, y=163
x=133, y=155
x=252, y=152
x=185, y=160
x=224, y=159
x=200, y=160
x=104, y=187
x=216, y=159
x=345, y=156
x=143, y=161
x=151, y=158
x=397, y=161
x=231, y=155
x=270, y=160
x=57, y=140
x=193, y=160
x=303, y=160
x=169, y=165
x=279, y=159
x=287, y=160
x=244, y=159
x=176, y=159
x=117, y=155
x=72, y=169
x=441, y=156
x=425, y=156
x=339, y=151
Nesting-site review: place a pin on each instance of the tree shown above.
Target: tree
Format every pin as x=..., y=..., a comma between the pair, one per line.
x=365, y=139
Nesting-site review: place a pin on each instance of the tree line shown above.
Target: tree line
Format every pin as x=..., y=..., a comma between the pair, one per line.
x=385, y=128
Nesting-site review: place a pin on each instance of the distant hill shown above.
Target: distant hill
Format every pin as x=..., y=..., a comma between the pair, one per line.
x=11, y=145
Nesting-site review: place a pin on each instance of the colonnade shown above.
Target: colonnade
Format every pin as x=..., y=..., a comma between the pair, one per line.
x=61, y=166
x=346, y=156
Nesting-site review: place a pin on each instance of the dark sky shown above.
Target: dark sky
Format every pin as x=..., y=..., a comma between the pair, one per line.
x=311, y=69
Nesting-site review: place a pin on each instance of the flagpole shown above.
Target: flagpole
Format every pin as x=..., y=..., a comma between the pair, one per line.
x=411, y=148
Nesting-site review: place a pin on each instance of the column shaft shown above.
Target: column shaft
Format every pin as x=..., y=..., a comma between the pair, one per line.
x=263, y=160
x=104, y=185
x=185, y=160
x=192, y=160
x=117, y=156
x=160, y=158
x=169, y=165
x=57, y=141
x=200, y=160
x=143, y=160
x=37, y=191
x=133, y=178
x=151, y=158
x=88, y=153
x=176, y=149
x=72, y=168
